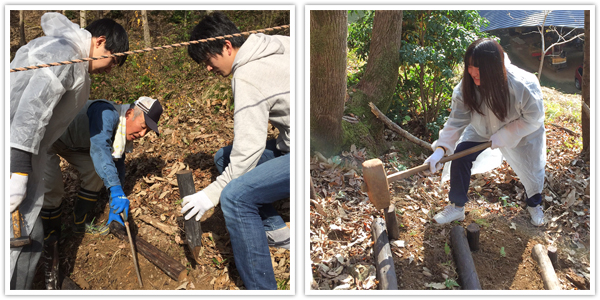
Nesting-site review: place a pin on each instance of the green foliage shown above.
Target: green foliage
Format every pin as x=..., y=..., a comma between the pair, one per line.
x=283, y=284
x=502, y=252
x=359, y=32
x=450, y=283
x=446, y=248
x=433, y=46
x=482, y=222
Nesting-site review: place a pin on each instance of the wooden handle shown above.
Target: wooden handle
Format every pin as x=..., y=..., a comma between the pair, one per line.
x=16, y=223
x=135, y=263
x=425, y=167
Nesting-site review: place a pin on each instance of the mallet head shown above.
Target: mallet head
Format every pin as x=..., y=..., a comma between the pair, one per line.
x=377, y=183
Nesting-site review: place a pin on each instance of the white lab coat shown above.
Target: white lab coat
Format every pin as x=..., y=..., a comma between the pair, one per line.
x=44, y=101
x=523, y=131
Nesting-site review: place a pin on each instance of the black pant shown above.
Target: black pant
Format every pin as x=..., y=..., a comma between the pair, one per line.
x=460, y=177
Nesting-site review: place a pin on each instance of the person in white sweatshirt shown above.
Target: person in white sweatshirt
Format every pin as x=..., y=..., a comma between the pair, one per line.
x=254, y=172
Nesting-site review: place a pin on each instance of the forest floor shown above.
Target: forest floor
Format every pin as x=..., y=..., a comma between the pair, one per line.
x=197, y=121
x=341, y=246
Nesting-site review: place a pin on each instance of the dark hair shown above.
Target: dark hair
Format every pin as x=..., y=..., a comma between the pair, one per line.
x=213, y=25
x=487, y=55
x=116, y=36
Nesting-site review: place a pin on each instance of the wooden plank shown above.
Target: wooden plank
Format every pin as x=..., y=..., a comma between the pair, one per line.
x=167, y=264
x=386, y=272
x=465, y=266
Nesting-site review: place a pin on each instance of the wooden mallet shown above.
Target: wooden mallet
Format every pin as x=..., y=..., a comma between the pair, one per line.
x=376, y=181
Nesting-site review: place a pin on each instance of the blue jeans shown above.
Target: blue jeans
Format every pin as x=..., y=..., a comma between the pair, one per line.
x=246, y=205
x=460, y=177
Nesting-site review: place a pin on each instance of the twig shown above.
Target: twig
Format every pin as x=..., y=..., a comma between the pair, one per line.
x=170, y=230
x=565, y=129
x=393, y=126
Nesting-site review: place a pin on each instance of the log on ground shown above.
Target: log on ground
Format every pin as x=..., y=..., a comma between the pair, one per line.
x=549, y=277
x=167, y=264
x=386, y=272
x=465, y=266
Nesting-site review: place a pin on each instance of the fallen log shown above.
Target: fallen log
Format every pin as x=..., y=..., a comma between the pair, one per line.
x=549, y=277
x=167, y=264
x=465, y=266
x=384, y=262
x=391, y=223
x=393, y=126
x=193, y=230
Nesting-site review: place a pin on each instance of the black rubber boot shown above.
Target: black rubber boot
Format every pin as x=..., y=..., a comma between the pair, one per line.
x=84, y=205
x=52, y=230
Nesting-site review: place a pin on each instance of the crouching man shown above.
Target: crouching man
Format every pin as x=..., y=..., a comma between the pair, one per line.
x=95, y=144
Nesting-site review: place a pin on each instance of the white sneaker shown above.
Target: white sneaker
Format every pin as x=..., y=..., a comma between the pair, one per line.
x=537, y=215
x=449, y=214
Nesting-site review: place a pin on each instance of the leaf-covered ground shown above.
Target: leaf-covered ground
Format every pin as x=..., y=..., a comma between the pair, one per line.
x=196, y=122
x=341, y=247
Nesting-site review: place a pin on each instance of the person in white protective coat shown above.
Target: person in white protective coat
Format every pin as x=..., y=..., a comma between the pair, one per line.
x=499, y=102
x=42, y=104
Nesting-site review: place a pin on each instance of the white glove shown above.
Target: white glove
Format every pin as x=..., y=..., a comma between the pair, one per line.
x=18, y=189
x=434, y=159
x=198, y=203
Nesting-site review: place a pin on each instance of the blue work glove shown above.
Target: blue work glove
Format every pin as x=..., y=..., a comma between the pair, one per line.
x=118, y=203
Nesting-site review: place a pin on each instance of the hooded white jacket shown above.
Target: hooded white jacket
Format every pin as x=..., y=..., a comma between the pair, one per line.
x=44, y=101
x=261, y=93
x=523, y=130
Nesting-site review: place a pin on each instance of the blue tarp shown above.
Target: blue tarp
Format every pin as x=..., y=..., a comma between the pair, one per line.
x=523, y=18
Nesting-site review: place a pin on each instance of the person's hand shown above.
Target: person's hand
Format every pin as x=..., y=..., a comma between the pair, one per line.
x=18, y=189
x=197, y=204
x=118, y=203
x=434, y=160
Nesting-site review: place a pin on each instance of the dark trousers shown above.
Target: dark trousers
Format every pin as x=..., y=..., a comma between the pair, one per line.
x=460, y=177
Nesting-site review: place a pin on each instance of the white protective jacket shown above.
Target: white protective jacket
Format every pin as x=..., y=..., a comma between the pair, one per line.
x=261, y=91
x=44, y=101
x=523, y=131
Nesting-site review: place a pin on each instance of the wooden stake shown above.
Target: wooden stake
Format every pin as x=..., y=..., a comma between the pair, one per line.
x=553, y=255
x=473, y=236
x=193, y=230
x=391, y=223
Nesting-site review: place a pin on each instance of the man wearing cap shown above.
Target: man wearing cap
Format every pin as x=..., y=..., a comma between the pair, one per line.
x=95, y=144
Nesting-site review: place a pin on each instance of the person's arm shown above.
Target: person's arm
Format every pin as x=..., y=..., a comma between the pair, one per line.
x=459, y=119
x=120, y=164
x=34, y=94
x=250, y=128
x=104, y=119
x=530, y=104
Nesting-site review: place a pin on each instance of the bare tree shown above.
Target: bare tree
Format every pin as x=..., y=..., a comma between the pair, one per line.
x=328, y=38
x=585, y=88
x=82, y=23
x=379, y=81
x=147, y=40
x=22, y=41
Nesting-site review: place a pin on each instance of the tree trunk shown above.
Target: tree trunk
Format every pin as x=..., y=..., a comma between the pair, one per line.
x=585, y=87
x=147, y=40
x=379, y=80
x=82, y=23
x=328, y=38
x=22, y=28
x=98, y=14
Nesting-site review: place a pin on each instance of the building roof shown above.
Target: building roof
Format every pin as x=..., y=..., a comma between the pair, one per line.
x=523, y=18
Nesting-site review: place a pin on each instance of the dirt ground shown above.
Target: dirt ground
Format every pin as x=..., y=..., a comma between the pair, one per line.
x=341, y=247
